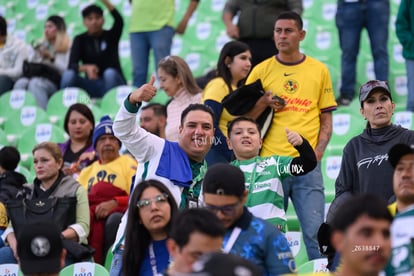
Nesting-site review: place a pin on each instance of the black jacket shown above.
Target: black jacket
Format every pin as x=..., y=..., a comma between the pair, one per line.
x=10, y=184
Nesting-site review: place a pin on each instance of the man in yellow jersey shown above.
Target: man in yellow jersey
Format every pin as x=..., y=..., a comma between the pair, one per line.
x=306, y=87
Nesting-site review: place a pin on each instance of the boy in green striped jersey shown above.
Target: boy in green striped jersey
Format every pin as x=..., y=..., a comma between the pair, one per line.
x=264, y=174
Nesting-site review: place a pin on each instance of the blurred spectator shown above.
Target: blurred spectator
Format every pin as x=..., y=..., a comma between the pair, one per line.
x=222, y=264
x=12, y=54
x=50, y=57
x=351, y=18
x=233, y=66
x=255, y=23
x=49, y=183
x=225, y=195
x=364, y=168
x=11, y=182
x=152, y=209
x=178, y=82
x=95, y=53
x=78, y=151
x=404, y=26
x=108, y=182
x=361, y=235
x=153, y=118
x=401, y=157
x=151, y=28
x=194, y=232
x=40, y=250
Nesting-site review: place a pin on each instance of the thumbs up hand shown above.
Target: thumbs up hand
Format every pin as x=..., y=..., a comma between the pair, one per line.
x=145, y=93
x=293, y=137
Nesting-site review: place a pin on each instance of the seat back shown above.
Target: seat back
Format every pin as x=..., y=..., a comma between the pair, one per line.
x=404, y=119
x=23, y=118
x=36, y=134
x=10, y=269
x=316, y=265
x=345, y=125
x=61, y=100
x=84, y=268
x=14, y=100
x=330, y=166
x=3, y=139
x=297, y=246
x=113, y=99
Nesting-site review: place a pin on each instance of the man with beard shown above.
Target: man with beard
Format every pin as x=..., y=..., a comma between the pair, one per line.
x=154, y=118
x=108, y=182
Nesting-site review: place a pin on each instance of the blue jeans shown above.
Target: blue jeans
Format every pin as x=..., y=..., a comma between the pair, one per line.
x=95, y=88
x=351, y=18
x=7, y=256
x=141, y=43
x=116, y=265
x=308, y=198
x=409, y=65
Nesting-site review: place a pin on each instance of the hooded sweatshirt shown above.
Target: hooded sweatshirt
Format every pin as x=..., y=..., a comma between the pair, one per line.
x=365, y=167
x=11, y=183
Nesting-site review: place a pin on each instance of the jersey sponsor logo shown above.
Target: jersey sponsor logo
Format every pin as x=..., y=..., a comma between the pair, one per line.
x=288, y=74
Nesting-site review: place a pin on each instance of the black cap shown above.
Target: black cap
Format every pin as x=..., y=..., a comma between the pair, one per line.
x=372, y=85
x=398, y=151
x=224, y=179
x=222, y=264
x=39, y=247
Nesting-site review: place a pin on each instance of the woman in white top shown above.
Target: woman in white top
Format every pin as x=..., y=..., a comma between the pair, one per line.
x=52, y=51
x=178, y=82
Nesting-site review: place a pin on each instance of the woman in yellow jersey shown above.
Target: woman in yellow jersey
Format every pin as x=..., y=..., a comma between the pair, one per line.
x=233, y=66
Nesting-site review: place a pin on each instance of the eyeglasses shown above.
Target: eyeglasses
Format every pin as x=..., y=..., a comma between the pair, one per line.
x=227, y=210
x=159, y=199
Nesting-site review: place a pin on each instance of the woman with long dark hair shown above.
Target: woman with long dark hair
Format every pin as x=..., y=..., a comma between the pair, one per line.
x=150, y=213
x=78, y=151
x=233, y=66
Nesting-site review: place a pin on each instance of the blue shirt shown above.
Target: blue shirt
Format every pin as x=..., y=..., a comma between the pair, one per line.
x=162, y=258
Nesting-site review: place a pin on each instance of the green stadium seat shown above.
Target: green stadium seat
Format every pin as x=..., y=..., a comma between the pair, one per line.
x=113, y=99
x=345, y=125
x=61, y=100
x=10, y=269
x=22, y=119
x=330, y=166
x=297, y=246
x=27, y=173
x=14, y=100
x=3, y=139
x=36, y=134
x=84, y=268
x=404, y=119
x=316, y=265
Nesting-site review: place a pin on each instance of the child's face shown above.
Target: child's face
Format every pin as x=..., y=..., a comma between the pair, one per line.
x=245, y=140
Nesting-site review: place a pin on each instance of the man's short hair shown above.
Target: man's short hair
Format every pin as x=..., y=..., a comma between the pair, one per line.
x=194, y=220
x=160, y=110
x=92, y=9
x=356, y=206
x=9, y=158
x=292, y=16
x=3, y=26
x=193, y=107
